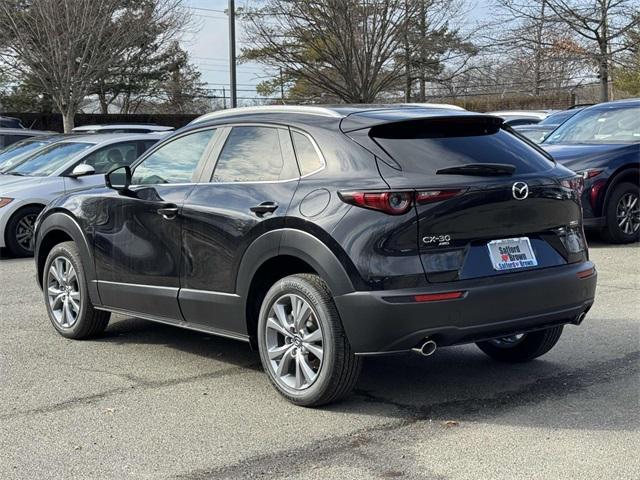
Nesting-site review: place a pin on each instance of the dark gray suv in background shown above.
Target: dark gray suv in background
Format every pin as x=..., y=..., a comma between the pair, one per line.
x=321, y=235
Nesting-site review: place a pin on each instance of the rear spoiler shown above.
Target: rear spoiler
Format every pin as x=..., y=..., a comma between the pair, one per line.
x=375, y=118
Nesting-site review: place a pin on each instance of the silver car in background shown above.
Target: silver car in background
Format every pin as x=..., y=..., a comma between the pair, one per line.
x=73, y=163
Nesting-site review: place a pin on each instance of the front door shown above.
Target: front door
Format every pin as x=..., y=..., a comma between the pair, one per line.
x=137, y=232
x=249, y=192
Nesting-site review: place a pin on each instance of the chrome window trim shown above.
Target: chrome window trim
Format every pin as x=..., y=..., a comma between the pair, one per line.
x=315, y=147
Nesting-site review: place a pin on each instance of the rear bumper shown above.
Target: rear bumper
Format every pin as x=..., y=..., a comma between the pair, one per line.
x=389, y=321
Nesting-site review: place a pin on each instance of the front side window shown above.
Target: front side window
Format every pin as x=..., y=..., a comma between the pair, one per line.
x=253, y=154
x=174, y=162
x=112, y=156
x=46, y=161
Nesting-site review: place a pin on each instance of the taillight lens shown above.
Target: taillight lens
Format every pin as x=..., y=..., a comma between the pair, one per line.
x=590, y=173
x=428, y=196
x=575, y=183
x=396, y=203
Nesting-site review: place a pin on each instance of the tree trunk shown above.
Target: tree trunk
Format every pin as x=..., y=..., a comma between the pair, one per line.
x=68, y=120
x=423, y=61
x=604, y=79
x=407, y=57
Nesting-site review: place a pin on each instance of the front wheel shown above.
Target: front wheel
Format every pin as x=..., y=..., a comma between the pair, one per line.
x=522, y=347
x=303, y=347
x=66, y=295
x=20, y=230
x=623, y=214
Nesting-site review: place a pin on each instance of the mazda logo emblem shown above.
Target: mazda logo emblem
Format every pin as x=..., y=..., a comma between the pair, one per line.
x=520, y=190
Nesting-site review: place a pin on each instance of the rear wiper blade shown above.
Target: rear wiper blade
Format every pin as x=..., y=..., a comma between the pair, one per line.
x=480, y=169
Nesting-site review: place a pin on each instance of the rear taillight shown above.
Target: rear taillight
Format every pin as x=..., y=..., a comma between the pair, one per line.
x=575, y=183
x=396, y=203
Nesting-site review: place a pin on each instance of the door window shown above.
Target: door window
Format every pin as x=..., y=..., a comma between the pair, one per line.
x=116, y=155
x=174, y=162
x=253, y=154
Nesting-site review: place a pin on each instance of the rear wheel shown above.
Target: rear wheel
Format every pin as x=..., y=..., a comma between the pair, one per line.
x=66, y=295
x=303, y=347
x=522, y=347
x=623, y=214
x=19, y=231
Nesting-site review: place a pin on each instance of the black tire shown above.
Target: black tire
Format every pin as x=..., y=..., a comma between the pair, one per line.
x=613, y=232
x=88, y=322
x=530, y=346
x=15, y=226
x=339, y=369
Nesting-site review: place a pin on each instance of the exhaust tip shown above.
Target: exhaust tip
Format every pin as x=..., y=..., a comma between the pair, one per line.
x=578, y=320
x=427, y=348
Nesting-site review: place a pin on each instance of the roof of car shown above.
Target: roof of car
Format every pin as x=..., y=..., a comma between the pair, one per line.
x=23, y=131
x=522, y=113
x=329, y=111
x=141, y=126
x=96, y=138
x=626, y=102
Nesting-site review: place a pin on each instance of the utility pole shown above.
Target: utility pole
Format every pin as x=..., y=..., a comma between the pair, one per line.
x=232, y=53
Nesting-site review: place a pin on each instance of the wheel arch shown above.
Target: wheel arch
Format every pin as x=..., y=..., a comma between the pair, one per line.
x=626, y=173
x=58, y=227
x=277, y=254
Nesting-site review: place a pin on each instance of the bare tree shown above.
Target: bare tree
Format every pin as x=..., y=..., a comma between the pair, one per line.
x=602, y=24
x=68, y=45
x=343, y=47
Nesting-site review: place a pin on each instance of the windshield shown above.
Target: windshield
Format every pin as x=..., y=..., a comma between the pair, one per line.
x=49, y=159
x=599, y=126
x=16, y=152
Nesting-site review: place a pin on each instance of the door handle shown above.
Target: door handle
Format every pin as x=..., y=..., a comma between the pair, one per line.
x=264, y=207
x=168, y=213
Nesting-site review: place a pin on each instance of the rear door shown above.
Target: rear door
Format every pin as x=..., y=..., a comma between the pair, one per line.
x=245, y=192
x=487, y=203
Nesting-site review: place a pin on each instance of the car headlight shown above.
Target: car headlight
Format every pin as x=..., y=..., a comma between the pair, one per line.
x=5, y=201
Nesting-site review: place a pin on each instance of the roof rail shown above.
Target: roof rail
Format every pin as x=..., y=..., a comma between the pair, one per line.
x=307, y=110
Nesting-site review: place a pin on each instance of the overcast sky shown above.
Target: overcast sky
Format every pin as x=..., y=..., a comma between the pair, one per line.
x=209, y=46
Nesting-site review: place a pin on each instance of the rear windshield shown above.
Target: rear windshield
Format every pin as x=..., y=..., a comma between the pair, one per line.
x=426, y=146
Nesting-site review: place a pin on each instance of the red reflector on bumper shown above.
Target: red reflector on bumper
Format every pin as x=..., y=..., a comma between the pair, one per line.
x=435, y=297
x=586, y=273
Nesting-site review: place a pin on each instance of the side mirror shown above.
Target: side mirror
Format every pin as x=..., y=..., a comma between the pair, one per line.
x=82, y=170
x=118, y=178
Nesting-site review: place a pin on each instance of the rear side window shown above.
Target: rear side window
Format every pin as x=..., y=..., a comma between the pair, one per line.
x=308, y=158
x=253, y=154
x=426, y=146
x=113, y=156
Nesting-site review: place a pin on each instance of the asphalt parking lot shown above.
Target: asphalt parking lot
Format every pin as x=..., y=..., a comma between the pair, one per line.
x=152, y=401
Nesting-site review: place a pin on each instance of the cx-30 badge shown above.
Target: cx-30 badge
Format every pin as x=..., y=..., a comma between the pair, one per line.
x=520, y=190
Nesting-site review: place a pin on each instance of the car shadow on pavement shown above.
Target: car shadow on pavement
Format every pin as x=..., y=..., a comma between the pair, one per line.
x=455, y=384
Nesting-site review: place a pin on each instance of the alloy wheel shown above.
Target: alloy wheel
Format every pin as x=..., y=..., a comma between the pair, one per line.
x=628, y=213
x=63, y=292
x=24, y=232
x=294, y=342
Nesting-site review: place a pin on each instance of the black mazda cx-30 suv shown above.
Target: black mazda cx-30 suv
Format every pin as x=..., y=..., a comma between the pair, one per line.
x=321, y=235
